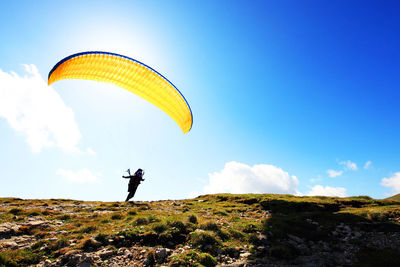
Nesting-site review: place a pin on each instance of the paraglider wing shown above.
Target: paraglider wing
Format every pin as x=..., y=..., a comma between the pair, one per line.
x=129, y=74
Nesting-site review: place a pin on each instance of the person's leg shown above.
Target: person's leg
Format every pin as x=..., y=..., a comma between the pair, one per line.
x=130, y=195
x=134, y=191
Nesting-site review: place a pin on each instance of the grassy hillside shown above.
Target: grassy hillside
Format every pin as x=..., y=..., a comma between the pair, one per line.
x=224, y=229
x=394, y=198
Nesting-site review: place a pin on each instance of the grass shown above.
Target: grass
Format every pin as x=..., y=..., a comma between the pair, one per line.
x=394, y=198
x=210, y=223
x=193, y=259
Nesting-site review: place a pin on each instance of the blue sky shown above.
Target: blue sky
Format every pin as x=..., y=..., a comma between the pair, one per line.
x=287, y=97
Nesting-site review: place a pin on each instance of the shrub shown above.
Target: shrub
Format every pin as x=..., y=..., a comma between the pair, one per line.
x=165, y=238
x=34, y=213
x=102, y=238
x=150, y=257
x=178, y=225
x=116, y=216
x=189, y=259
x=48, y=212
x=232, y=252
x=15, y=211
x=250, y=228
x=88, y=229
x=132, y=212
x=204, y=240
x=39, y=244
x=210, y=226
x=192, y=219
x=193, y=259
x=22, y=257
x=221, y=212
x=65, y=217
x=207, y=260
x=223, y=235
x=89, y=244
x=253, y=239
x=159, y=228
x=141, y=221
x=4, y=261
x=235, y=234
x=152, y=219
x=25, y=230
x=60, y=243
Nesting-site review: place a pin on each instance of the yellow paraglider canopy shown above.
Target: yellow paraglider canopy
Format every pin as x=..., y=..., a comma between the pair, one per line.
x=129, y=74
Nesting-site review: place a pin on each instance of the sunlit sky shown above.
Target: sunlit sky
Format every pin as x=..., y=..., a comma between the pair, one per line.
x=297, y=97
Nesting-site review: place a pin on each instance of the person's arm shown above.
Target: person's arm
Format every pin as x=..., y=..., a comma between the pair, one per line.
x=126, y=177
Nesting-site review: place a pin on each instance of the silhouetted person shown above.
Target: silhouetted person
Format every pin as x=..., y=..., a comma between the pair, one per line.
x=134, y=181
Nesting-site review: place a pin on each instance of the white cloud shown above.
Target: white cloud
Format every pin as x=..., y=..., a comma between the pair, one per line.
x=239, y=178
x=80, y=176
x=319, y=190
x=90, y=151
x=392, y=182
x=349, y=165
x=333, y=173
x=35, y=110
x=367, y=164
x=318, y=178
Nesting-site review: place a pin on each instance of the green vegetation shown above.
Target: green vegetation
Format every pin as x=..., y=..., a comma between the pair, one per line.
x=194, y=259
x=394, y=198
x=210, y=225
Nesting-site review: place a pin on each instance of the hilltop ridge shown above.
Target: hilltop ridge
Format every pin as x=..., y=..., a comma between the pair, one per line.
x=223, y=229
x=394, y=198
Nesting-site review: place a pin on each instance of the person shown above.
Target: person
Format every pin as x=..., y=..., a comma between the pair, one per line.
x=134, y=181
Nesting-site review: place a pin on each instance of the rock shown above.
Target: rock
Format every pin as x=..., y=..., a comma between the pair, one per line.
x=245, y=254
x=146, y=262
x=71, y=258
x=161, y=254
x=37, y=224
x=208, y=247
x=106, y=253
x=357, y=234
x=127, y=254
x=8, y=229
x=295, y=238
x=237, y=264
x=9, y=244
x=121, y=251
x=86, y=260
x=263, y=239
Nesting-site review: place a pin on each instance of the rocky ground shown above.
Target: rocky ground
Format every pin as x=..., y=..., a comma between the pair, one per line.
x=226, y=230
